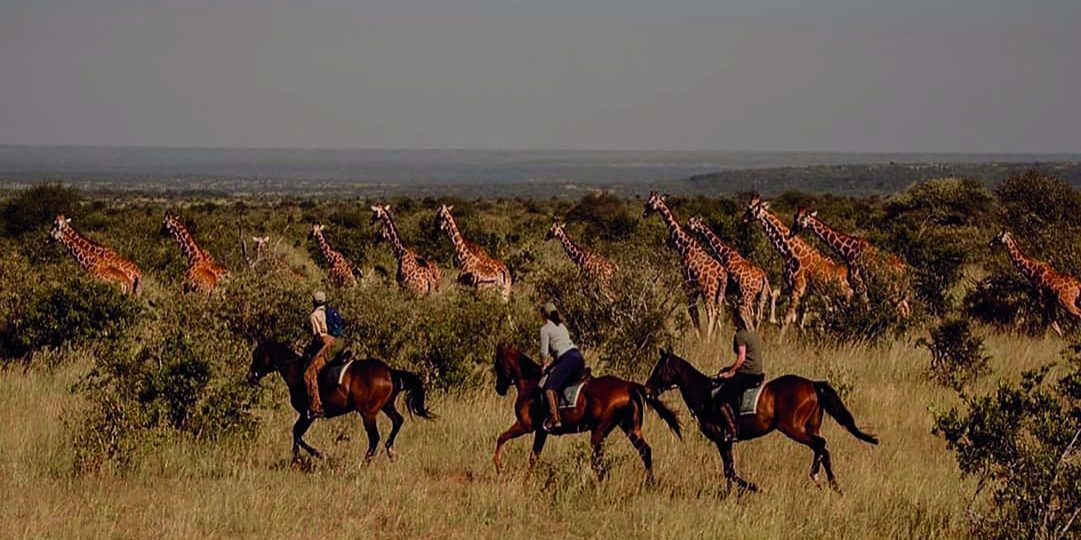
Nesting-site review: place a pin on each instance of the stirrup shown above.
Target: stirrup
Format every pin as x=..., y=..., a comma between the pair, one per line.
x=550, y=426
x=313, y=415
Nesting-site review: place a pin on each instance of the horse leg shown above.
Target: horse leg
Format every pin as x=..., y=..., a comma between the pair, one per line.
x=396, y=422
x=300, y=427
x=596, y=440
x=372, y=428
x=729, y=461
x=633, y=428
x=539, y=438
x=822, y=455
x=513, y=432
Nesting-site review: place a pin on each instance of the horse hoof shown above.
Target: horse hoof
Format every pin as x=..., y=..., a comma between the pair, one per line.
x=392, y=455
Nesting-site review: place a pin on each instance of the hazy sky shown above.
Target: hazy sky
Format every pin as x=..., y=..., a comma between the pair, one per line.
x=824, y=75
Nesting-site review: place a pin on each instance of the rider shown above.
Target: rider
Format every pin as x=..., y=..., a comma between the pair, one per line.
x=556, y=343
x=322, y=347
x=747, y=372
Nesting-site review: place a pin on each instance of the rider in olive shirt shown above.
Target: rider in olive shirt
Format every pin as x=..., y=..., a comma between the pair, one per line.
x=746, y=373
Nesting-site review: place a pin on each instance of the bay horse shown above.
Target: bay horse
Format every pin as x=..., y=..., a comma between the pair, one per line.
x=604, y=403
x=368, y=386
x=791, y=404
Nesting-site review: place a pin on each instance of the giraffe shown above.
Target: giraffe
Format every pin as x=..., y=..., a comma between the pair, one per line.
x=415, y=273
x=475, y=267
x=101, y=261
x=341, y=271
x=750, y=280
x=264, y=255
x=203, y=272
x=860, y=256
x=804, y=266
x=703, y=276
x=594, y=267
x=1053, y=288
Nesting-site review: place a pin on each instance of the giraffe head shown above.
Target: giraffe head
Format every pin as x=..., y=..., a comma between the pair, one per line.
x=316, y=229
x=379, y=212
x=756, y=208
x=61, y=225
x=802, y=220
x=261, y=243
x=1001, y=239
x=446, y=221
x=654, y=203
x=170, y=223
x=555, y=231
x=698, y=225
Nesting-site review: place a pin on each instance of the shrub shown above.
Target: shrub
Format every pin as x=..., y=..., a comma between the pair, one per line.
x=159, y=387
x=605, y=216
x=957, y=356
x=1021, y=442
x=1004, y=300
x=625, y=329
x=874, y=322
x=79, y=309
x=36, y=207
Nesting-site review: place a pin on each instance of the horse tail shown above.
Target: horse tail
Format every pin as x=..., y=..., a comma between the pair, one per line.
x=832, y=404
x=642, y=398
x=414, y=392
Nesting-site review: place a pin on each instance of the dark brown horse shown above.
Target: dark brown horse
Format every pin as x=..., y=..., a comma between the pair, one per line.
x=603, y=404
x=791, y=404
x=368, y=386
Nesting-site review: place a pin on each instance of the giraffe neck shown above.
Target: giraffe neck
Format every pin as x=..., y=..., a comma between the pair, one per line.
x=1027, y=266
x=778, y=234
x=842, y=244
x=456, y=238
x=573, y=251
x=724, y=253
x=324, y=246
x=684, y=243
x=392, y=236
x=86, y=251
x=187, y=244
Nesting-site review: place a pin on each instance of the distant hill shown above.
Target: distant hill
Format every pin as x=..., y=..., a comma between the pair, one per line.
x=865, y=179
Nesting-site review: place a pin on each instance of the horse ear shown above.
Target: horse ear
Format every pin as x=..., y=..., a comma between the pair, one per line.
x=663, y=352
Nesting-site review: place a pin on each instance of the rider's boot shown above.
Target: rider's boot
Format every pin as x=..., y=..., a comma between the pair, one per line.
x=552, y=423
x=729, y=423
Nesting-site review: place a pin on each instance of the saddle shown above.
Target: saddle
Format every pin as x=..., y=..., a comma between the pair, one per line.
x=568, y=395
x=332, y=374
x=743, y=404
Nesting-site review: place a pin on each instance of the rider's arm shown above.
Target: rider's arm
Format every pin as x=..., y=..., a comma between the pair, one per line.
x=544, y=356
x=741, y=356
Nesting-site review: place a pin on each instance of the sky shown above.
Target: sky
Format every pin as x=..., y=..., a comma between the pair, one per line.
x=762, y=75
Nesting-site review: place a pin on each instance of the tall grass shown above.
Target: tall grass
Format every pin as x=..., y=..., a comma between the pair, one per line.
x=444, y=485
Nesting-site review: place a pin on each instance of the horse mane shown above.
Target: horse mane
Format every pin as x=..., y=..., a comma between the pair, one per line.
x=529, y=368
x=275, y=348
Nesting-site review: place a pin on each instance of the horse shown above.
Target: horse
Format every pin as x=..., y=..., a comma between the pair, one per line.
x=789, y=403
x=603, y=404
x=367, y=387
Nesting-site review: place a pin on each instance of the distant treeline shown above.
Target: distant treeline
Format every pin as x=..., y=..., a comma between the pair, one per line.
x=845, y=180
x=862, y=180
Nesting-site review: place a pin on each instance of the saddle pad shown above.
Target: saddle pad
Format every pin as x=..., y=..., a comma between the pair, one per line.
x=332, y=375
x=568, y=398
x=748, y=403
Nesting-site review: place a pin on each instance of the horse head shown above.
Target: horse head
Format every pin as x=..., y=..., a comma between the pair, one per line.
x=267, y=357
x=505, y=368
x=664, y=376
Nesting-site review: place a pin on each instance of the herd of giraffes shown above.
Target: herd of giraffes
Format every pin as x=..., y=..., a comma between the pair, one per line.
x=709, y=273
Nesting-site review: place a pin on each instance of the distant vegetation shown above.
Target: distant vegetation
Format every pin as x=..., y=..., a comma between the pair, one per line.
x=167, y=368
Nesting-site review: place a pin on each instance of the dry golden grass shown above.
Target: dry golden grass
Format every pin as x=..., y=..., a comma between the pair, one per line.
x=443, y=484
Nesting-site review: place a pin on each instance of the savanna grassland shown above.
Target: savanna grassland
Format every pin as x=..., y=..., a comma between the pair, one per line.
x=131, y=417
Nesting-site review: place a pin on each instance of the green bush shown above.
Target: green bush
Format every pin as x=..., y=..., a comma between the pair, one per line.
x=34, y=208
x=1004, y=301
x=156, y=388
x=1021, y=442
x=605, y=216
x=644, y=311
x=957, y=356
x=78, y=309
